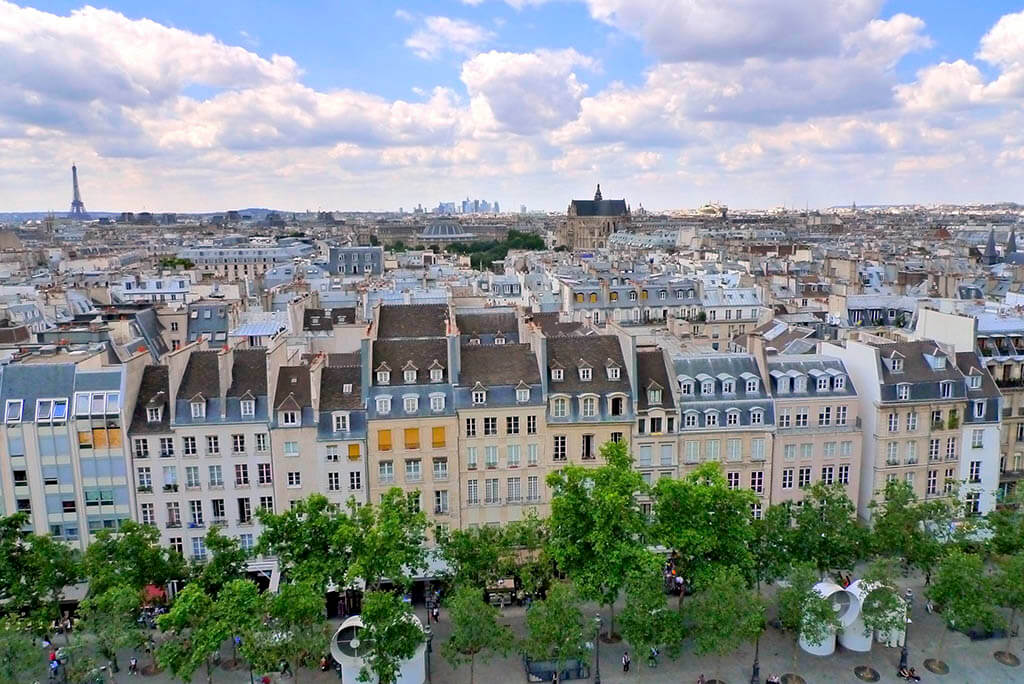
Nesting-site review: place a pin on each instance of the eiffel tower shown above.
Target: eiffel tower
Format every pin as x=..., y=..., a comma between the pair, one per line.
x=77, y=205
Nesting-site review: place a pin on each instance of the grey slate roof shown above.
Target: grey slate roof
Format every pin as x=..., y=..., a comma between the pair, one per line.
x=482, y=323
x=422, y=353
x=599, y=207
x=412, y=320
x=507, y=364
x=249, y=373
x=154, y=390
x=332, y=384
x=293, y=386
x=31, y=382
x=650, y=367
x=596, y=350
x=201, y=376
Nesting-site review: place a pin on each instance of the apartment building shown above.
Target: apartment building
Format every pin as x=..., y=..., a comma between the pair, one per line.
x=655, y=439
x=918, y=408
x=616, y=298
x=200, y=446
x=233, y=262
x=503, y=462
x=589, y=396
x=409, y=368
x=727, y=416
x=63, y=458
x=488, y=326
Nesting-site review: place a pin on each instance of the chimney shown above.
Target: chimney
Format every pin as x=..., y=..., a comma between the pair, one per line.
x=756, y=348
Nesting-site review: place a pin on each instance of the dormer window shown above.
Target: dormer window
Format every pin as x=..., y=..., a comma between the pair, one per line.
x=690, y=420
x=974, y=381
x=613, y=372
x=728, y=386
x=940, y=362
x=711, y=419
x=557, y=374
x=341, y=422
x=198, y=409
x=897, y=365
x=707, y=387
x=800, y=384
x=474, y=341
x=946, y=388
x=411, y=404
x=347, y=388
x=499, y=340
x=979, y=409
x=522, y=395
x=903, y=391
x=12, y=412
x=248, y=408
x=479, y=396
x=686, y=389
x=437, y=402
x=59, y=414
x=586, y=374
x=409, y=376
x=823, y=383
x=752, y=386
x=654, y=396
x=839, y=383
x=289, y=417
x=383, y=377
x=589, y=407
x=383, y=405
x=559, y=407
x=757, y=417
x=153, y=414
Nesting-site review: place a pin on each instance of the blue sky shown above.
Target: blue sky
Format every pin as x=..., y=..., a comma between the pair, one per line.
x=375, y=105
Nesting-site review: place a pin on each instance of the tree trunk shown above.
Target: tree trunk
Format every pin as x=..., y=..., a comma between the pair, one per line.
x=611, y=621
x=209, y=671
x=472, y=661
x=1009, y=629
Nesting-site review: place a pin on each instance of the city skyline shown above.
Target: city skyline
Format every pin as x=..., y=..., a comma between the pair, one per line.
x=520, y=101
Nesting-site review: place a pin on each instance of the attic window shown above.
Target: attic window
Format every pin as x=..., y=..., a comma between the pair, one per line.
x=686, y=388
x=840, y=382
x=314, y=320
x=940, y=362
x=409, y=376
x=522, y=395
x=153, y=414
x=12, y=413
x=436, y=374
x=474, y=340
x=383, y=377
x=728, y=386
x=347, y=388
x=248, y=408
x=499, y=340
x=289, y=417
x=897, y=365
x=586, y=374
x=198, y=409
x=752, y=386
x=823, y=383
x=903, y=391
x=557, y=374
x=341, y=422
x=479, y=396
x=613, y=372
x=654, y=396
x=974, y=381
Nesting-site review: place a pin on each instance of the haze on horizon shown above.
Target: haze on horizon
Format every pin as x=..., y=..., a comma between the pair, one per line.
x=669, y=105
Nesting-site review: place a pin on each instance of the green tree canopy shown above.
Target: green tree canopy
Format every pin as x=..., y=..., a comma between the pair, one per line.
x=1009, y=587
x=597, y=527
x=725, y=613
x=391, y=635
x=802, y=610
x=387, y=540
x=475, y=631
x=704, y=522
x=226, y=563
x=771, y=542
x=1006, y=525
x=310, y=540
x=109, y=617
x=965, y=593
x=646, y=619
x=555, y=628
x=826, y=530
x=915, y=531
x=883, y=609
x=131, y=556
x=296, y=631
x=54, y=566
x=20, y=659
x=195, y=634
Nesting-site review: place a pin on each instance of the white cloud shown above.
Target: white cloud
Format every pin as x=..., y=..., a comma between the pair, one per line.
x=525, y=93
x=943, y=86
x=440, y=34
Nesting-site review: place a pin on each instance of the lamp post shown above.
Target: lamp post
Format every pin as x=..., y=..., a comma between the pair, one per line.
x=909, y=598
x=597, y=650
x=430, y=638
x=755, y=675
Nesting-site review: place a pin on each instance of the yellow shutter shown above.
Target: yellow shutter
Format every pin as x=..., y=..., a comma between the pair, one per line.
x=114, y=436
x=579, y=297
x=437, y=437
x=99, y=438
x=85, y=439
x=384, y=440
x=353, y=449
x=643, y=294
x=412, y=438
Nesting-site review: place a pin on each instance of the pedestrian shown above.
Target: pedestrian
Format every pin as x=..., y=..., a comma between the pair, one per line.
x=133, y=666
x=700, y=680
x=625, y=661
x=436, y=612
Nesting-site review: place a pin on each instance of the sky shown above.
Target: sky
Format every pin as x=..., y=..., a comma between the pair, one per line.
x=191, y=105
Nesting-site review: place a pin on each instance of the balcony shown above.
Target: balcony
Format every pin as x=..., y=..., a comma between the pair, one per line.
x=219, y=522
x=493, y=502
x=196, y=525
x=243, y=522
x=440, y=475
x=414, y=477
x=440, y=510
x=170, y=487
x=173, y=524
x=144, y=489
x=387, y=479
x=533, y=499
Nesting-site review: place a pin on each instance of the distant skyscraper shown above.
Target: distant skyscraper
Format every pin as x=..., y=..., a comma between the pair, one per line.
x=497, y=210
x=77, y=205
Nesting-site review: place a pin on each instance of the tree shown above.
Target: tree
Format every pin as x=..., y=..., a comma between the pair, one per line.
x=555, y=628
x=475, y=630
x=704, y=522
x=131, y=556
x=19, y=656
x=965, y=595
x=475, y=556
x=1010, y=590
x=826, y=530
x=1006, y=525
x=391, y=635
x=915, y=531
x=647, y=620
x=227, y=562
x=725, y=613
x=770, y=545
x=387, y=540
x=310, y=541
x=883, y=609
x=240, y=607
x=196, y=634
x=597, y=527
x=57, y=567
x=802, y=610
x=110, y=618
x=20, y=590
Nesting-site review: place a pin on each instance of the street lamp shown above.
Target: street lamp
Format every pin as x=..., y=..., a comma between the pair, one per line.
x=430, y=638
x=755, y=676
x=597, y=650
x=909, y=598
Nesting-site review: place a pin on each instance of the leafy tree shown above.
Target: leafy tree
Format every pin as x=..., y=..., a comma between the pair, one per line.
x=915, y=531
x=20, y=590
x=704, y=522
x=131, y=556
x=726, y=614
x=56, y=567
x=196, y=634
x=883, y=610
x=299, y=624
x=310, y=540
x=826, y=530
x=475, y=631
x=391, y=635
x=110, y=618
x=556, y=631
x=1009, y=585
x=240, y=607
x=475, y=556
x=647, y=620
x=528, y=557
x=770, y=545
x=1006, y=525
x=386, y=541
x=20, y=659
x=964, y=593
x=803, y=611
x=597, y=527
x=227, y=562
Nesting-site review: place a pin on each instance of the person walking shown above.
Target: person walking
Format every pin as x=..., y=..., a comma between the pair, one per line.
x=626, y=661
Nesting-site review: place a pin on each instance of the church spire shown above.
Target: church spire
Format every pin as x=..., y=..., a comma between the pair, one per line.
x=1011, y=244
x=597, y=195
x=991, y=256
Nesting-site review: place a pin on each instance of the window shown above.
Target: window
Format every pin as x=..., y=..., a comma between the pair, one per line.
x=829, y=450
x=411, y=438
x=691, y=451
x=246, y=542
x=806, y=451
x=148, y=513
x=145, y=478
x=479, y=397
x=728, y=387
x=441, y=502
x=533, y=488
x=589, y=407
x=512, y=425
x=409, y=376
x=947, y=487
x=248, y=407
x=903, y=391
x=291, y=449
x=586, y=374
x=839, y=383
x=933, y=450
x=892, y=454
x=386, y=471
x=188, y=446
x=472, y=493
x=198, y=409
x=557, y=374
x=686, y=389
x=947, y=389
x=559, y=452
x=804, y=476
x=757, y=481
x=141, y=448
x=216, y=476
x=513, y=491
x=384, y=440
x=532, y=454
x=757, y=417
x=198, y=548
x=238, y=444
x=711, y=419
x=491, y=491
x=787, y=478
x=294, y=479
x=264, y=474
x=289, y=417
x=341, y=422
x=192, y=477
x=241, y=475
x=732, y=418
x=975, y=471
x=844, y=474
x=383, y=405
x=711, y=450
x=801, y=417
x=471, y=427
x=732, y=450
x=936, y=419
x=828, y=474
x=491, y=456
x=522, y=395
x=974, y=382
x=973, y=501
x=977, y=437
x=784, y=418
x=490, y=425
x=355, y=480
x=951, y=448
x=751, y=386
x=437, y=402
x=733, y=479
x=757, y=452
x=332, y=453
x=690, y=420
x=912, y=421
x=979, y=409
x=897, y=365
x=823, y=384
x=383, y=377
x=587, y=450
x=825, y=415
x=244, y=510
x=789, y=452
x=846, y=449
x=410, y=404
x=440, y=468
x=153, y=414
x=613, y=373
x=707, y=387
x=196, y=513
x=894, y=422
x=166, y=447
x=471, y=454
x=437, y=437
